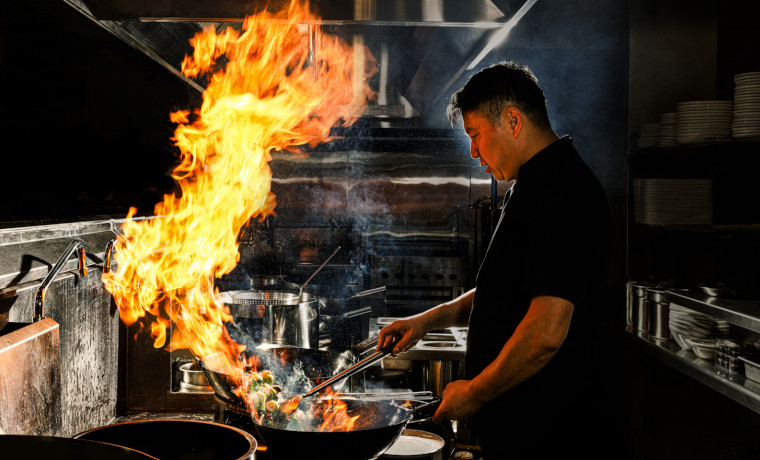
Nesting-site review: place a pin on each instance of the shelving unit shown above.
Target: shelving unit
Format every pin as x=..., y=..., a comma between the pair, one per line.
x=738, y=312
x=670, y=388
x=684, y=255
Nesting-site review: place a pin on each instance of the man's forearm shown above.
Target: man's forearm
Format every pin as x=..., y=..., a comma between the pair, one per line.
x=451, y=314
x=534, y=342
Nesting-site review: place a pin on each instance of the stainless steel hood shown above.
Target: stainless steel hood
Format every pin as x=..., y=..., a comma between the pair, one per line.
x=422, y=46
x=404, y=12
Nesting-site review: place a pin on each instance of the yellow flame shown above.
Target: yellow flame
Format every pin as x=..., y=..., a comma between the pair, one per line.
x=268, y=89
x=334, y=414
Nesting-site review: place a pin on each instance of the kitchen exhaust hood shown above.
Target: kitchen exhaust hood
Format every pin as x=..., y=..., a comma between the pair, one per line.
x=422, y=46
x=484, y=13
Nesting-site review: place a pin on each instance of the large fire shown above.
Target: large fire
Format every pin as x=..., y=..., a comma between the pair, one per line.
x=276, y=84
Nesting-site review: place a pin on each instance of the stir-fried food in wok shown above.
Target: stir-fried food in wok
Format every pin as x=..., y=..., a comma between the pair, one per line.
x=264, y=399
x=266, y=403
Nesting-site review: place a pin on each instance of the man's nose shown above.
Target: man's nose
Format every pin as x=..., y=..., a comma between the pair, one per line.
x=473, y=150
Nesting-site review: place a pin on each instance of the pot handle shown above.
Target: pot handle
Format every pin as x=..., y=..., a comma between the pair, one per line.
x=424, y=412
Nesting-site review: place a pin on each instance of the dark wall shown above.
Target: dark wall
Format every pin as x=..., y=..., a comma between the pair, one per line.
x=84, y=117
x=579, y=52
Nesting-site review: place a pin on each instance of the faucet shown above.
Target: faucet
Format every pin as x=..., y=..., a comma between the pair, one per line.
x=107, y=256
x=39, y=302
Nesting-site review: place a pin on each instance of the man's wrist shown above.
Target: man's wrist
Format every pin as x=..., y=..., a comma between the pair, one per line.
x=478, y=390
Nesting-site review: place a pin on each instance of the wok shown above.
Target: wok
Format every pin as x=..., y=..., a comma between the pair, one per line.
x=377, y=428
x=175, y=439
x=28, y=446
x=281, y=361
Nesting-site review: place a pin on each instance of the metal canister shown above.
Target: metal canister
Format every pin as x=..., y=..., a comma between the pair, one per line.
x=659, y=310
x=630, y=306
x=641, y=310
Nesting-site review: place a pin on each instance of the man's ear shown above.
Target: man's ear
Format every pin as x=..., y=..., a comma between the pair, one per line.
x=514, y=120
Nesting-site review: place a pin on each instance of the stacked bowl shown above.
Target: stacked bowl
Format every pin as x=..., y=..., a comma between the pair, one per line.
x=686, y=325
x=746, y=105
x=703, y=121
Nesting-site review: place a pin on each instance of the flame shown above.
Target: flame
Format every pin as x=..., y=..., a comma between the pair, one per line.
x=334, y=414
x=290, y=405
x=276, y=84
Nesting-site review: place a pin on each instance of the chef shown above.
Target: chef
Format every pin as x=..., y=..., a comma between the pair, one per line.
x=530, y=388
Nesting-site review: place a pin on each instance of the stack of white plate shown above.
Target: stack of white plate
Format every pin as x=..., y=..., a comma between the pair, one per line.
x=703, y=121
x=649, y=136
x=663, y=201
x=746, y=105
x=668, y=123
x=685, y=324
x=722, y=329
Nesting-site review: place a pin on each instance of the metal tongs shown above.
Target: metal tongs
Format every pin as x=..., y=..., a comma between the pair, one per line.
x=426, y=395
x=292, y=404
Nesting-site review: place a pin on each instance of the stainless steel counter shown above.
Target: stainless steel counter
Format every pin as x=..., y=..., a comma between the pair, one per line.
x=449, y=344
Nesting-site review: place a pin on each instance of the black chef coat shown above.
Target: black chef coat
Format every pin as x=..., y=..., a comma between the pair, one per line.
x=552, y=239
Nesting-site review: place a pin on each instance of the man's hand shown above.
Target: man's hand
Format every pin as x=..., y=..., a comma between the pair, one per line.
x=459, y=402
x=408, y=331
x=404, y=332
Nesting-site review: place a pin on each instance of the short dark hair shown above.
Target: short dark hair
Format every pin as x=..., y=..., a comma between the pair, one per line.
x=493, y=89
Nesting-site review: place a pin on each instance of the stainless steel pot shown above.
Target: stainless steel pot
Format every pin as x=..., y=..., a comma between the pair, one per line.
x=276, y=317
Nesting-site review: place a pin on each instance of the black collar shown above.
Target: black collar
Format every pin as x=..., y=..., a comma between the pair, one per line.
x=544, y=158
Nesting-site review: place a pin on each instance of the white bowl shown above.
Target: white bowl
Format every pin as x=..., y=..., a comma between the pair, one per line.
x=681, y=339
x=704, y=348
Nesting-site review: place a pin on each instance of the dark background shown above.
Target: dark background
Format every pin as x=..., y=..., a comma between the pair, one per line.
x=84, y=118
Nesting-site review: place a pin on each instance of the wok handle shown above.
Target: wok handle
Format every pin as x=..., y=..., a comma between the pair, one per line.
x=424, y=412
x=368, y=292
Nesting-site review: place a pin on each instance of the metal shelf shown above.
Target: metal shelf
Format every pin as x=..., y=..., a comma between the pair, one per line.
x=739, y=312
x=732, y=146
x=735, y=386
x=707, y=229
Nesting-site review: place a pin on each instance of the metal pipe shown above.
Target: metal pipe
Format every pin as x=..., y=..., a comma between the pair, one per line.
x=300, y=291
x=39, y=303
